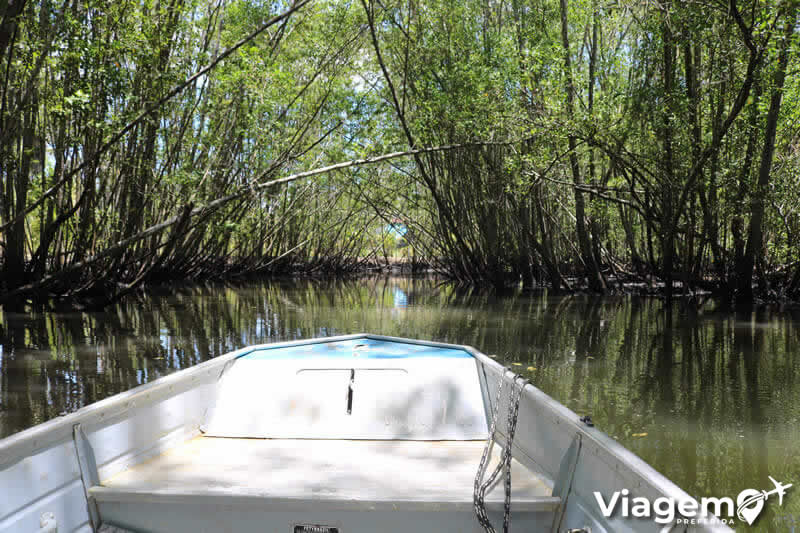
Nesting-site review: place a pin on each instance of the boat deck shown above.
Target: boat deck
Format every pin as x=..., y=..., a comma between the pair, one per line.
x=351, y=474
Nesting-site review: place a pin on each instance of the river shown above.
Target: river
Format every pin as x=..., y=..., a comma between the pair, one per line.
x=710, y=398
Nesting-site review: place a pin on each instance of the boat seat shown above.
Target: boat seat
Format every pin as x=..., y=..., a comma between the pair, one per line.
x=332, y=477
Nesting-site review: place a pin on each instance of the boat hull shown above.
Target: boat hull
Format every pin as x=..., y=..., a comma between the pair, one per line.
x=68, y=466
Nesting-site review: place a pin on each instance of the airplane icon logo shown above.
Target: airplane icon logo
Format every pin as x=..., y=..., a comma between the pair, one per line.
x=779, y=489
x=750, y=502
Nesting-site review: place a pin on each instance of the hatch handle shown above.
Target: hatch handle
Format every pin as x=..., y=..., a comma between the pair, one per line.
x=350, y=391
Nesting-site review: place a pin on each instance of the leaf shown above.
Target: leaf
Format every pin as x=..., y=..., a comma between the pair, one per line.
x=639, y=435
x=531, y=368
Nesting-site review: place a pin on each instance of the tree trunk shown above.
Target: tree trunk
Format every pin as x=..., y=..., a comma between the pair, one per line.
x=737, y=223
x=744, y=274
x=8, y=23
x=596, y=226
x=17, y=197
x=591, y=271
x=667, y=173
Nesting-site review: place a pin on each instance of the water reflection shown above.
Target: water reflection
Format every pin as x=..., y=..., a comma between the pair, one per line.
x=715, y=392
x=400, y=298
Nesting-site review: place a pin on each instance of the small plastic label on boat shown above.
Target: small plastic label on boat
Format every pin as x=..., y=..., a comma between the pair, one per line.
x=307, y=528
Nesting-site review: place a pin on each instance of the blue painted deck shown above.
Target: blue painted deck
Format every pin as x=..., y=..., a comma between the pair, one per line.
x=363, y=348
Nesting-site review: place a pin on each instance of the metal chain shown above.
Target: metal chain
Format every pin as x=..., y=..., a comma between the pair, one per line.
x=513, y=415
x=477, y=495
x=504, y=465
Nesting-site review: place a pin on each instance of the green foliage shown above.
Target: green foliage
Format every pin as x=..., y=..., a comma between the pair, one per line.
x=311, y=91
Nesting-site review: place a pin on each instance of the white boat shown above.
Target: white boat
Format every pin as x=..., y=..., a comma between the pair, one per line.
x=350, y=434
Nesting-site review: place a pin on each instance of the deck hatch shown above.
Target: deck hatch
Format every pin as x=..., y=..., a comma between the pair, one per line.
x=357, y=390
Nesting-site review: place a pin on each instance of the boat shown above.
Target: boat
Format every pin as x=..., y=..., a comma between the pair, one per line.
x=348, y=434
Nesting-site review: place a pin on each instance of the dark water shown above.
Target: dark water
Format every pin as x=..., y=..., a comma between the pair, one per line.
x=716, y=393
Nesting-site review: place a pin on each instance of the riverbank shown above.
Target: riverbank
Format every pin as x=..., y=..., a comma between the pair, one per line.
x=100, y=281
x=96, y=296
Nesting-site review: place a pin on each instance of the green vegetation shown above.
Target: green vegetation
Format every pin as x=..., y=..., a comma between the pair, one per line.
x=554, y=142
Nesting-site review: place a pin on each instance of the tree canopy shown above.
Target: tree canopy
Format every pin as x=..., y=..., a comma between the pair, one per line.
x=566, y=143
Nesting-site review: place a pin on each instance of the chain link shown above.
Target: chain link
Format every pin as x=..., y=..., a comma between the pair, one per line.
x=478, y=494
x=504, y=465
